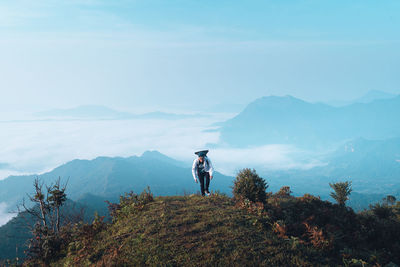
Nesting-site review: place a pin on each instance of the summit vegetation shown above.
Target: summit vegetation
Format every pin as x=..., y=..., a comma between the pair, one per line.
x=252, y=228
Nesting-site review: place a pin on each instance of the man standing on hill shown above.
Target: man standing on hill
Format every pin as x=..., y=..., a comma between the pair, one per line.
x=202, y=169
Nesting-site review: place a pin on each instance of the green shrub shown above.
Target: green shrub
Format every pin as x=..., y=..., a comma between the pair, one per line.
x=129, y=202
x=248, y=185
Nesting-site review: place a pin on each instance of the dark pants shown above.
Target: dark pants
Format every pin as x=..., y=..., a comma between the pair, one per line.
x=204, y=187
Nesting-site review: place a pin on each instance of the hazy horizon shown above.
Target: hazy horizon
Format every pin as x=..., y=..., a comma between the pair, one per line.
x=28, y=112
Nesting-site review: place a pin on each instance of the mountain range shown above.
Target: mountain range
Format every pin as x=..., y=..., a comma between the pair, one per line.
x=373, y=166
x=289, y=120
x=367, y=98
x=106, y=113
x=108, y=177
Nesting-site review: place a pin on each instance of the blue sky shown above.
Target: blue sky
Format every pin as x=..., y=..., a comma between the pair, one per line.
x=171, y=55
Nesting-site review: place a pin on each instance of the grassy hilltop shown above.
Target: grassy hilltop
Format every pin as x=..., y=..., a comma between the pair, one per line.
x=190, y=231
x=219, y=231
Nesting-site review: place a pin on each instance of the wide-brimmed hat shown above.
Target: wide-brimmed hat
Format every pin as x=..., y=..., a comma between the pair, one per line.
x=201, y=153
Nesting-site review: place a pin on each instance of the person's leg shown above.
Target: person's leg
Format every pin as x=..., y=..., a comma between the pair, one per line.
x=207, y=177
x=201, y=179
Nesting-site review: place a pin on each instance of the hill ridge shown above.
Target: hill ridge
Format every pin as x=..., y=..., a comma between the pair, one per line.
x=214, y=231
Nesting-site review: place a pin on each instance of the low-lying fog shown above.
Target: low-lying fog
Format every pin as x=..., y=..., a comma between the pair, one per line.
x=33, y=146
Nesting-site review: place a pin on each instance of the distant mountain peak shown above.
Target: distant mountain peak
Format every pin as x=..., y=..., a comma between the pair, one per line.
x=103, y=112
x=289, y=120
x=368, y=97
x=158, y=156
x=85, y=111
x=280, y=102
x=379, y=93
x=372, y=95
x=152, y=154
x=273, y=100
x=276, y=97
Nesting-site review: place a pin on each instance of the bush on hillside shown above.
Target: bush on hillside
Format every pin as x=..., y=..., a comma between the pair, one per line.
x=248, y=185
x=130, y=201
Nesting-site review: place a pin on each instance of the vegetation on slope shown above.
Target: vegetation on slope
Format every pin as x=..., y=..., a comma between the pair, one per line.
x=217, y=230
x=16, y=234
x=254, y=228
x=185, y=230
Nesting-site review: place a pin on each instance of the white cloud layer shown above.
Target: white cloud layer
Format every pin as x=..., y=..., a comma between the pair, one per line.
x=4, y=215
x=39, y=146
x=272, y=157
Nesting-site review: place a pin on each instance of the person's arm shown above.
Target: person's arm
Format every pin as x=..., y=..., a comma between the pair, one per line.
x=194, y=170
x=211, y=168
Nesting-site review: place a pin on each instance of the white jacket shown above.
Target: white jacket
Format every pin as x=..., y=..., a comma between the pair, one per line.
x=208, y=167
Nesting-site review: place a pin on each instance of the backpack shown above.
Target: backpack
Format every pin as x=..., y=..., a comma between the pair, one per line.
x=205, y=161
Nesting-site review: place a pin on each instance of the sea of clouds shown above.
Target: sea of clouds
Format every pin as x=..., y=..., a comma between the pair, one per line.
x=32, y=146
x=39, y=146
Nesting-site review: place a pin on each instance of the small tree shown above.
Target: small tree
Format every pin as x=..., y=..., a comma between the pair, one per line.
x=48, y=203
x=55, y=200
x=39, y=199
x=46, y=240
x=248, y=185
x=342, y=192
